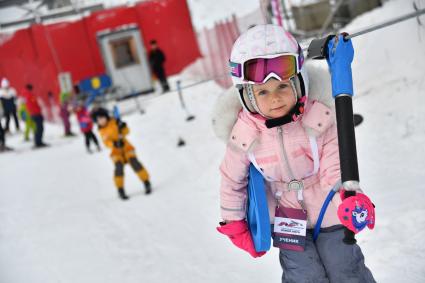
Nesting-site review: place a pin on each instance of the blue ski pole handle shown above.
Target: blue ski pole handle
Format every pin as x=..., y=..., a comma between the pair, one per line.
x=116, y=113
x=258, y=218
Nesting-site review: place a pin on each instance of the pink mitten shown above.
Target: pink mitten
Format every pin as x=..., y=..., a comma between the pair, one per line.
x=239, y=234
x=357, y=212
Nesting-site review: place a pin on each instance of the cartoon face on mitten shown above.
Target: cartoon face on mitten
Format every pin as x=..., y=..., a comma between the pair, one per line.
x=359, y=217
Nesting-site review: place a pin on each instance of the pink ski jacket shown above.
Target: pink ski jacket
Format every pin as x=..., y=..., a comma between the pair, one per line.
x=251, y=141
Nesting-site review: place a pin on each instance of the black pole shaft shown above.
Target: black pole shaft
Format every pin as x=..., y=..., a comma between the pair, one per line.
x=347, y=149
x=346, y=139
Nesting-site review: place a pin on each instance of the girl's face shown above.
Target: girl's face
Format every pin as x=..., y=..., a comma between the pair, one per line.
x=274, y=98
x=102, y=121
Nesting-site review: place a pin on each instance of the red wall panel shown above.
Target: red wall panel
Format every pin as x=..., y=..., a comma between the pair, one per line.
x=26, y=59
x=70, y=45
x=169, y=22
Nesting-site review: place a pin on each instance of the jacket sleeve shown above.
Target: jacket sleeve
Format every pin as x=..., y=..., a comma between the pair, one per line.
x=234, y=180
x=151, y=59
x=162, y=57
x=106, y=140
x=13, y=93
x=329, y=162
x=125, y=131
x=234, y=171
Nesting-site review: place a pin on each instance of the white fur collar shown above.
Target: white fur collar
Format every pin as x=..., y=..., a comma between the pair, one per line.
x=227, y=106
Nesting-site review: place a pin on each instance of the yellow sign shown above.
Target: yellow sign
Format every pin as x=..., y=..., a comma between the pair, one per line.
x=95, y=83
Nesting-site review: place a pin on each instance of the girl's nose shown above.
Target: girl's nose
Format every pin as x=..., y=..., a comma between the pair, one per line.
x=275, y=96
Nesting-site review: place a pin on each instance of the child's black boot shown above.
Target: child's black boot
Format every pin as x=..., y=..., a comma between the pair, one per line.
x=122, y=194
x=148, y=187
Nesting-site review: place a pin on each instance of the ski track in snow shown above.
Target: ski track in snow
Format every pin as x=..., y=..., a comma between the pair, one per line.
x=61, y=220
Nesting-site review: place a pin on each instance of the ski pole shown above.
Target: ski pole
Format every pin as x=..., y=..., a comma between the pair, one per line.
x=179, y=91
x=347, y=151
x=318, y=49
x=417, y=9
x=117, y=116
x=116, y=113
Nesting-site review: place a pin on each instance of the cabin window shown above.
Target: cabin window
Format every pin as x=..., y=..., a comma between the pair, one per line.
x=124, y=52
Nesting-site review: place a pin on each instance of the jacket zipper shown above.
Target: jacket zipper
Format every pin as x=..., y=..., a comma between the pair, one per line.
x=291, y=173
x=285, y=155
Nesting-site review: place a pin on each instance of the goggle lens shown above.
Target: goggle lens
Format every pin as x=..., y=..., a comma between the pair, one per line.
x=256, y=70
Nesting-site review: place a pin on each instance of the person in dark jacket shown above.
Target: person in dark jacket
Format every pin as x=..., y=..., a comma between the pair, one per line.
x=156, y=61
x=8, y=97
x=2, y=139
x=3, y=146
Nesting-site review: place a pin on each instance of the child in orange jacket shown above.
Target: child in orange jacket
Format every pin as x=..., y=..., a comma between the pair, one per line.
x=113, y=133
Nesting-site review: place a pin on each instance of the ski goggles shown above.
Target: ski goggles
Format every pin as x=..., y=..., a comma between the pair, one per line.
x=259, y=70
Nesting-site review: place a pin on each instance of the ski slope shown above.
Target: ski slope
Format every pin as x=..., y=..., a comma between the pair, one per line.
x=61, y=219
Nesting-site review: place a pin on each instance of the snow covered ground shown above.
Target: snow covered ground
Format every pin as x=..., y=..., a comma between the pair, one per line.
x=61, y=221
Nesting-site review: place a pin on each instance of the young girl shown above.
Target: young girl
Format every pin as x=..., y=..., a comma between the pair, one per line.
x=86, y=126
x=292, y=140
x=114, y=135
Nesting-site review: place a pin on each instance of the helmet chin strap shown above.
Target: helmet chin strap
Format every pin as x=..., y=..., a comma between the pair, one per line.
x=249, y=88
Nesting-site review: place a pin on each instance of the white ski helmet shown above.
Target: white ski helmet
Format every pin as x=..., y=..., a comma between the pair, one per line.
x=265, y=41
x=4, y=83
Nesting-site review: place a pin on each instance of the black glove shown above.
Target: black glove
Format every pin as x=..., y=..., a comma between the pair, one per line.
x=121, y=125
x=119, y=143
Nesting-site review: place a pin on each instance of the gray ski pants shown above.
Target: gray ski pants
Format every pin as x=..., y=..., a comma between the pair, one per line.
x=328, y=260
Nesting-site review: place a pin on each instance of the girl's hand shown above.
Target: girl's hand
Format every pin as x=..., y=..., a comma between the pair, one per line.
x=238, y=233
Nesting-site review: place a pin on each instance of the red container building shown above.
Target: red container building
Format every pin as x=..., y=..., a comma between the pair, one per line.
x=111, y=41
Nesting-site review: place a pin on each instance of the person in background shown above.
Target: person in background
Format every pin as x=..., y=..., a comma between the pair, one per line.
x=53, y=110
x=8, y=96
x=156, y=61
x=86, y=126
x=2, y=139
x=65, y=99
x=34, y=110
x=113, y=133
x=3, y=146
x=26, y=118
